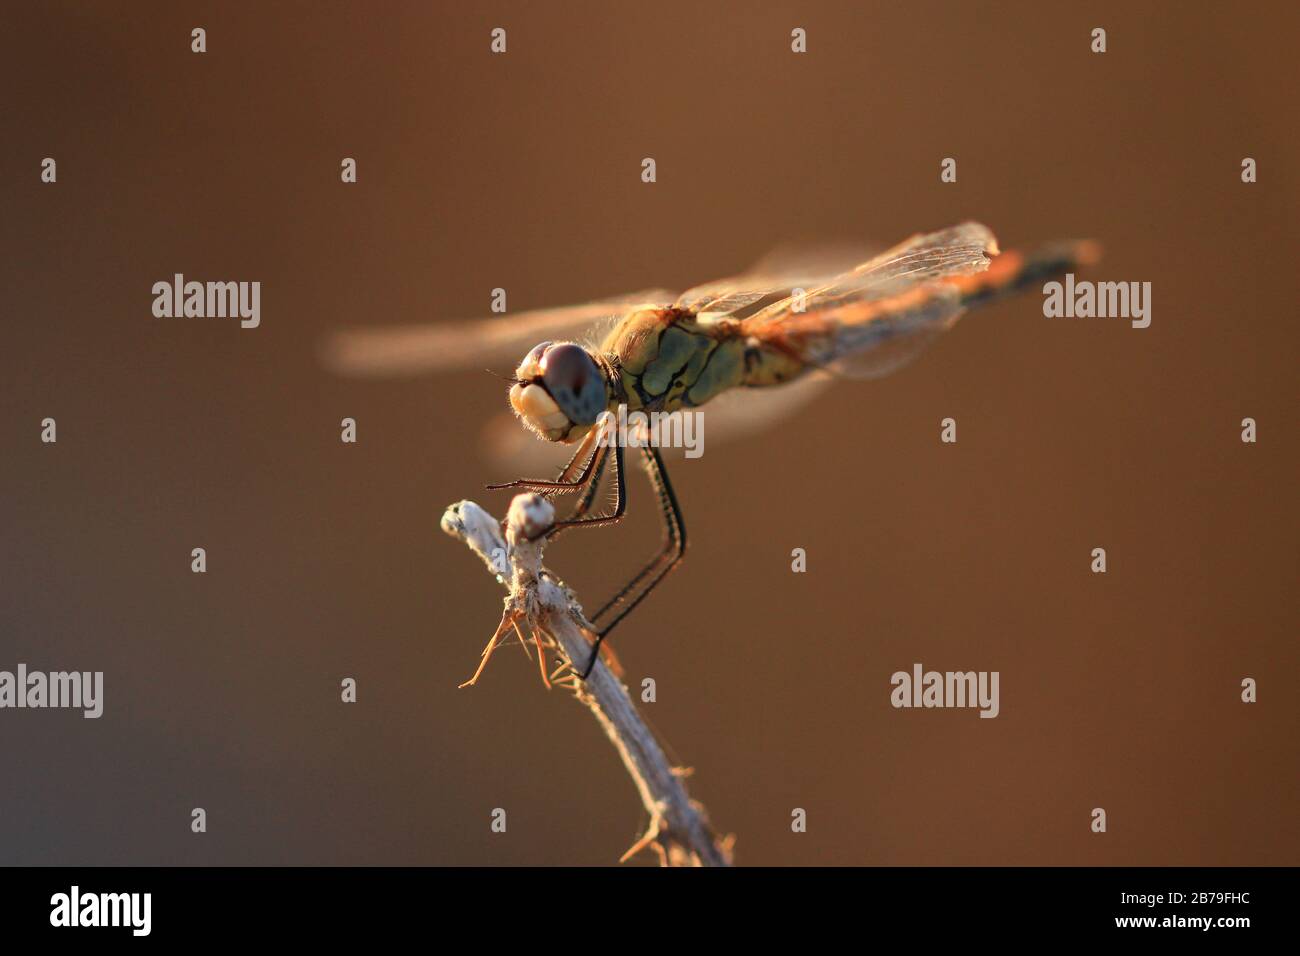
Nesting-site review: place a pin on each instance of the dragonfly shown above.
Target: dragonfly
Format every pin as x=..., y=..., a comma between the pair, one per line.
x=773, y=329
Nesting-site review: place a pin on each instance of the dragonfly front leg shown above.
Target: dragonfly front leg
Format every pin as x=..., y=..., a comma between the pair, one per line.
x=620, y=497
x=564, y=482
x=594, y=471
x=589, y=493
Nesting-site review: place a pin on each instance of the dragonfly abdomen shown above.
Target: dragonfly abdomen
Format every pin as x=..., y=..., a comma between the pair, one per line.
x=1014, y=272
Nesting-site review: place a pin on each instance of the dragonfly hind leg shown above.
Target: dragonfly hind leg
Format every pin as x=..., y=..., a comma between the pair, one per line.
x=669, y=556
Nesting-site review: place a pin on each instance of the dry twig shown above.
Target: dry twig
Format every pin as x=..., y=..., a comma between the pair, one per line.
x=541, y=605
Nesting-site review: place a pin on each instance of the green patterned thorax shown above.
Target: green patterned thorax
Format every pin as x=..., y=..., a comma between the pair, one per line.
x=670, y=359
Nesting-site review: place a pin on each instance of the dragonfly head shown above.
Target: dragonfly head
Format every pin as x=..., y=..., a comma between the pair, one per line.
x=559, y=391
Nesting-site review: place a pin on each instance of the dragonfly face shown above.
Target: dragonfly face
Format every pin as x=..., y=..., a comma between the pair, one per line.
x=559, y=391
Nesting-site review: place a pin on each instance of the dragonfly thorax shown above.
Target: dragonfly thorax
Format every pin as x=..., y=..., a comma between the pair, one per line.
x=560, y=390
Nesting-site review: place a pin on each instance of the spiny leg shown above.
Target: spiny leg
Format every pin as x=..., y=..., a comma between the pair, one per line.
x=674, y=529
x=593, y=472
x=620, y=498
x=565, y=482
x=589, y=493
x=668, y=558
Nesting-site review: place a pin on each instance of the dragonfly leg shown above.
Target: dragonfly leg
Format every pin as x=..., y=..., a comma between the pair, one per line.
x=666, y=560
x=620, y=498
x=674, y=530
x=565, y=482
x=589, y=493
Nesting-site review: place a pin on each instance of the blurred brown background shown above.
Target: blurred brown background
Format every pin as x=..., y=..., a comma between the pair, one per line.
x=522, y=171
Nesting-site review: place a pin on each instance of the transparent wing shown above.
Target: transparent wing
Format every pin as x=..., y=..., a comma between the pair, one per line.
x=777, y=274
x=742, y=412
x=812, y=264
x=888, y=343
x=414, y=349
x=734, y=415
x=724, y=296
x=870, y=320
x=959, y=250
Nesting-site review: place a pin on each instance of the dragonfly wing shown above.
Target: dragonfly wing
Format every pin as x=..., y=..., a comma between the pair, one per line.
x=776, y=275
x=741, y=412
x=882, y=344
x=733, y=415
x=415, y=349
x=809, y=265
x=876, y=335
x=870, y=320
x=959, y=250
x=725, y=296
x=826, y=272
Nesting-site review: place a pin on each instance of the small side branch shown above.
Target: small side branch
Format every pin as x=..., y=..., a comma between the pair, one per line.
x=539, y=602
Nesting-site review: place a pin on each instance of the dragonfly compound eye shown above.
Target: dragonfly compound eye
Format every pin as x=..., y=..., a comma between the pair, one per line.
x=530, y=367
x=574, y=380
